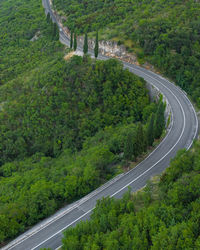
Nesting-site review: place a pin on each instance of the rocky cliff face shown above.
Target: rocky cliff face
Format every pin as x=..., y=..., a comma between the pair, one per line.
x=108, y=48
x=112, y=49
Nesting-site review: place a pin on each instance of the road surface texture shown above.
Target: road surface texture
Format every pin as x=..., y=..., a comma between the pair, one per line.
x=181, y=134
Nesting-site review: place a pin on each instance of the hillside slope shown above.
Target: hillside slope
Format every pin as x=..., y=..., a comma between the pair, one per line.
x=165, y=33
x=66, y=126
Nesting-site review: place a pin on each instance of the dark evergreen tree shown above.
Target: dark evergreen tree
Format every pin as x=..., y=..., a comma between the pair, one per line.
x=140, y=140
x=50, y=29
x=96, y=48
x=85, y=46
x=159, y=120
x=150, y=130
x=48, y=18
x=129, y=146
x=55, y=32
x=75, y=42
x=71, y=40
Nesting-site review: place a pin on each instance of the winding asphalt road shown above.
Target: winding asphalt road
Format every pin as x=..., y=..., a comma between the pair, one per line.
x=181, y=134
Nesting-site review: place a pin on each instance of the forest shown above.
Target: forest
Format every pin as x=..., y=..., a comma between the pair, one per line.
x=164, y=215
x=164, y=33
x=65, y=142
x=66, y=126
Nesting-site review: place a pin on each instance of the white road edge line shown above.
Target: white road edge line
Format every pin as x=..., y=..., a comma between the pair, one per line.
x=63, y=228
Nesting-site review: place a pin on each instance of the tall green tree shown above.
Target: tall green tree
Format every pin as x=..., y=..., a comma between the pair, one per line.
x=150, y=130
x=141, y=143
x=71, y=40
x=159, y=120
x=129, y=146
x=75, y=41
x=85, y=46
x=48, y=18
x=55, y=32
x=96, y=48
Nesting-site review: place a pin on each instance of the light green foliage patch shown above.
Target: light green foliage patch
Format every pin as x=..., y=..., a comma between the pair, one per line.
x=166, y=33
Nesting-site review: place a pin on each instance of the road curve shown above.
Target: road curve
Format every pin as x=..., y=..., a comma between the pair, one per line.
x=181, y=134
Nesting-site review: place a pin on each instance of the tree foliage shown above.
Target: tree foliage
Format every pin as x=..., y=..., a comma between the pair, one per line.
x=75, y=41
x=71, y=40
x=55, y=31
x=130, y=146
x=164, y=215
x=150, y=130
x=96, y=48
x=48, y=18
x=159, y=123
x=85, y=46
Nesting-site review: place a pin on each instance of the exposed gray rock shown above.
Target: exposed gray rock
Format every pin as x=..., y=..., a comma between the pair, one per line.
x=36, y=36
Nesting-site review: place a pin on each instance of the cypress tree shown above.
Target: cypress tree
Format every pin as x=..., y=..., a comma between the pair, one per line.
x=71, y=40
x=54, y=29
x=48, y=18
x=150, y=130
x=55, y=32
x=159, y=120
x=75, y=42
x=51, y=28
x=85, y=46
x=129, y=146
x=96, y=48
x=141, y=140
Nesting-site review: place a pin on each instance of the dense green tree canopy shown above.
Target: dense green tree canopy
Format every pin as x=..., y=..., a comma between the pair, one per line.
x=165, y=215
x=69, y=103
x=63, y=123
